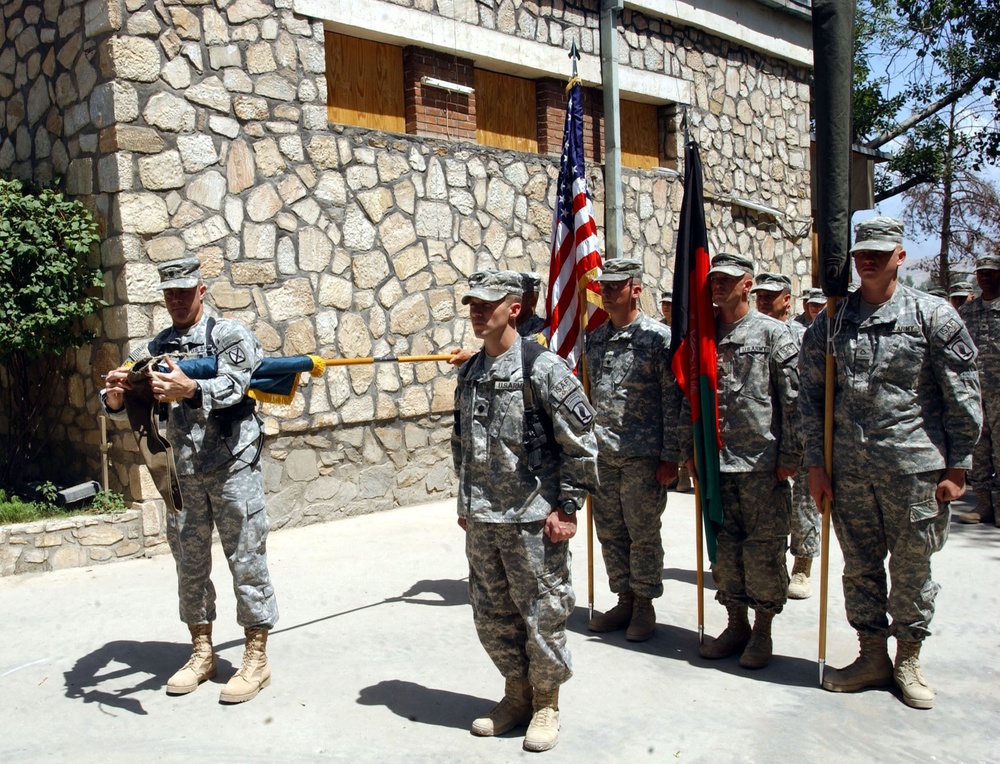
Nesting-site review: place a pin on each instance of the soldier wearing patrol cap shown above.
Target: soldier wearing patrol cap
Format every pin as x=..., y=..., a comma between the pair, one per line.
x=216, y=438
x=667, y=306
x=774, y=299
x=813, y=302
x=757, y=384
x=906, y=418
x=529, y=324
x=982, y=319
x=960, y=293
x=637, y=401
x=524, y=450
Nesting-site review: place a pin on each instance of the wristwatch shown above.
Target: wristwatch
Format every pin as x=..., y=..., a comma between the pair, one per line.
x=569, y=507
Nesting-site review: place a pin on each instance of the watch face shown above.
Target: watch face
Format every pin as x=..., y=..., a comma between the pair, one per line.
x=569, y=507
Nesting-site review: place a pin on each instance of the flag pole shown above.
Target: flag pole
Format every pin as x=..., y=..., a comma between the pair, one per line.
x=585, y=378
x=700, y=572
x=387, y=359
x=826, y=509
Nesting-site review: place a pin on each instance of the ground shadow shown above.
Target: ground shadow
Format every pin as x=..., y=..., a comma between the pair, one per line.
x=424, y=705
x=676, y=643
x=688, y=577
x=146, y=665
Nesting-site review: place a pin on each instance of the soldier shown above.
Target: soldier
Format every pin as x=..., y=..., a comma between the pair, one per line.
x=667, y=306
x=813, y=303
x=774, y=299
x=216, y=437
x=960, y=293
x=906, y=418
x=529, y=324
x=637, y=401
x=526, y=457
x=760, y=451
x=982, y=319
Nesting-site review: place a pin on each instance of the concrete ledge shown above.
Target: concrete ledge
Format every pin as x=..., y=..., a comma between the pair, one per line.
x=72, y=542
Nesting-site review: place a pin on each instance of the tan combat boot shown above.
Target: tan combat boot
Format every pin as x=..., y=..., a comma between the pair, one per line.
x=512, y=711
x=759, y=649
x=798, y=584
x=255, y=672
x=872, y=668
x=683, y=479
x=643, y=622
x=909, y=678
x=201, y=666
x=543, y=732
x=983, y=513
x=730, y=641
x=618, y=617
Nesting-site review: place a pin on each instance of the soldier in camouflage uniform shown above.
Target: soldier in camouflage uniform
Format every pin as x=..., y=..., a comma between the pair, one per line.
x=960, y=293
x=216, y=438
x=518, y=504
x=982, y=319
x=637, y=401
x=774, y=299
x=757, y=386
x=906, y=418
x=813, y=302
x=529, y=324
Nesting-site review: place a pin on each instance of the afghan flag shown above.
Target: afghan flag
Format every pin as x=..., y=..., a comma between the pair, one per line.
x=692, y=344
x=274, y=381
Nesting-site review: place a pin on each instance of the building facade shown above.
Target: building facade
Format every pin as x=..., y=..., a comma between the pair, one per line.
x=341, y=168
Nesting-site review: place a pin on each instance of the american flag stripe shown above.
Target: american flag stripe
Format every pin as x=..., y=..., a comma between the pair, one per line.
x=575, y=259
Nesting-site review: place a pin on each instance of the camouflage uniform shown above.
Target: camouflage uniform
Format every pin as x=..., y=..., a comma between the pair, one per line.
x=906, y=407
x=758, y=385
x=637, y=401
x=805, y=516
x=982, y=319
x=532, y=327
x=219, y=474
x=519, y=580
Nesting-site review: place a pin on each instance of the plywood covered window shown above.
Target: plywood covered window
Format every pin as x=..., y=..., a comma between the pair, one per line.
x=506, y=114
x=364, y=83
x=640, y=135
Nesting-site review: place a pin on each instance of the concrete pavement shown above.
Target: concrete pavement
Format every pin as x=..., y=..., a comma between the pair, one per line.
x=375, y=658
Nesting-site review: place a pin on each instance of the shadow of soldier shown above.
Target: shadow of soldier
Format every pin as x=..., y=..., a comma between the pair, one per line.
x=119, y=673
x=424, y=705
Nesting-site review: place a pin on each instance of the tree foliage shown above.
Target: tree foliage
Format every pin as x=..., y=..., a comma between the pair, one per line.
x=47, y=291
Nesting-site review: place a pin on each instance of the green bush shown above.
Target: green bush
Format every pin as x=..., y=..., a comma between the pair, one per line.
x=14, y=509
x=48, y=289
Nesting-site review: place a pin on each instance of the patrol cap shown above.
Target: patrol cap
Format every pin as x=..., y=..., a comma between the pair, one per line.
x=180, y=274
x=961, y=289
x=936, y=290
x=530, y=282
x=731, y=265
x=772, y=282
x=491, y=286
x=988, y=263
x=814, y=296
x=881, y=234
x=666, y=296
x=620, y=269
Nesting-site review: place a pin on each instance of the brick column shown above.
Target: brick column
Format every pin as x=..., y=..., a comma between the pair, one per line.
x=550, y=102
x=432, y=111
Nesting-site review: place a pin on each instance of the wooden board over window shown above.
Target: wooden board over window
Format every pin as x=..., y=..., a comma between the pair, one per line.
x=640, y=136
x=364, y=83
x=506, y=115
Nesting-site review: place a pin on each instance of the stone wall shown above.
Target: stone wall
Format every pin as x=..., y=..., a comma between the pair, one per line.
x=205, y=134
x=73, y=542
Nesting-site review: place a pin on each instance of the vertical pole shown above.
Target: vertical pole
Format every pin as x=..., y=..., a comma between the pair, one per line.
x=824, y=563
x=104, y=451
x=585, y=379
x=612, y=129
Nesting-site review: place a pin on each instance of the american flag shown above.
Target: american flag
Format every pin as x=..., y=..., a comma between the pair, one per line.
x=575, y=260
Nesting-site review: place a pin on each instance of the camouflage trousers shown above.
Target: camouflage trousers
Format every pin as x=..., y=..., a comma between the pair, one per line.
x=985, y=472
x=806, y=526
x=883, y=514
x=749, y=567
x=233, y=501
x=522, y=595
x=627, y=510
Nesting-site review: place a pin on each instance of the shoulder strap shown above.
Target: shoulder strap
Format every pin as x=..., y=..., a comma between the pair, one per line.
x=529, y=354
x=209, y=339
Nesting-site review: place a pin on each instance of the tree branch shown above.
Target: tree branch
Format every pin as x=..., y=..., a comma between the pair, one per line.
x=927, y=111
x=904, y=186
